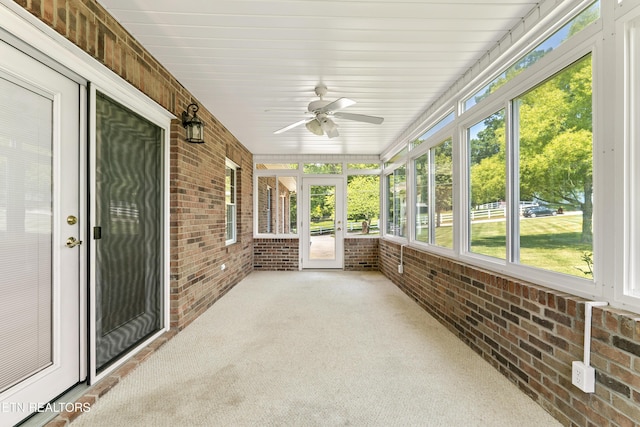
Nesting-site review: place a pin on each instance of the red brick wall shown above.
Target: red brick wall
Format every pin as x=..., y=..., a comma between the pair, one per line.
x=361, y=254
x=276, y=254
x=283, y=254
x=197, y=171
x=531, y=334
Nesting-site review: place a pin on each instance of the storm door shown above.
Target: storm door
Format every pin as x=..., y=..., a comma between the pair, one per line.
x=127, y=230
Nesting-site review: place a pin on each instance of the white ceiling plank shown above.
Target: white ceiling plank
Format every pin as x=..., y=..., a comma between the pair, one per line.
x=254, y=63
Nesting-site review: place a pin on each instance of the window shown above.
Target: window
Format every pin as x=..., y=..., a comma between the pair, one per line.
x=554, y=136
x=397, y=158
x=422, y=184
x=265, y=203
x=589, y=15
x=363, y=204
x=363, y=166
x=631, y=123
x=230, y=202
x=274, y=166
x=434, y=129
x=443, y=194
x=487, y=187
x=287, y=205
x=322, y=168
x=277, y=209
x=433, y=183
x=396, y=200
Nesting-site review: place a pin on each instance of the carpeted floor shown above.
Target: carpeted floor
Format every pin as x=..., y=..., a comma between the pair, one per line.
x=315, y=349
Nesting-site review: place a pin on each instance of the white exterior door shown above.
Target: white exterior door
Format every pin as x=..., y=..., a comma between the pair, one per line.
x=40, y=230
x=322, y=223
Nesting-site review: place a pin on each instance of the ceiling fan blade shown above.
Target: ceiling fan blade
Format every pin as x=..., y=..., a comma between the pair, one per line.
x=291, y=126
x=360, y=118
x=336, y=105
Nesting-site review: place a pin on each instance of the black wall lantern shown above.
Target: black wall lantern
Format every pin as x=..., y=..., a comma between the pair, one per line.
x=193, y=125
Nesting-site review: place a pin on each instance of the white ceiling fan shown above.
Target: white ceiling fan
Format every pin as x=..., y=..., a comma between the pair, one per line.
x=323, y=111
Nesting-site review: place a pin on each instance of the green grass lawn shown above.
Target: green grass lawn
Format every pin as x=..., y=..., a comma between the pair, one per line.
x=552, y=243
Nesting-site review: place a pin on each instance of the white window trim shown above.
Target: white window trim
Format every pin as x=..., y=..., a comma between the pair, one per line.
x=627, y=130
x=608, y=156
x=299, y=174
x=229, y=164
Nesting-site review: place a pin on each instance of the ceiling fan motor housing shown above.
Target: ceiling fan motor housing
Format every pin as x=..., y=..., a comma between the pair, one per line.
x=316, y=105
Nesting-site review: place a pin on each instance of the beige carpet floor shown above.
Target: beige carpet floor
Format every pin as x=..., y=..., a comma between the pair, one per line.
x=315, y=349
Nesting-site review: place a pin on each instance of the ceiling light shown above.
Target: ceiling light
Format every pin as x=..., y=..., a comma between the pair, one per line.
x=329, y=127
x=315, y=127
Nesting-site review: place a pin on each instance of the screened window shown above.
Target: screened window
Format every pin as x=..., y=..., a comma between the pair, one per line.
x=554, y=135
x=230, y=202
x=487, y=187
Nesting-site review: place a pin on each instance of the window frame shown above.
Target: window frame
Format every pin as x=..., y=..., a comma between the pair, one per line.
x=299, y=174
x=587, y=41
x=627, y=109
x=385, y=198
x=231, y=166
x=553, y=63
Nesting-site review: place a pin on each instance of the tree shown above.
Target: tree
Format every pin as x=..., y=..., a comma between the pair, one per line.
x=556, y=142
x=363, y=198
x=443, y=179
x=555, y=145
x=487, y=160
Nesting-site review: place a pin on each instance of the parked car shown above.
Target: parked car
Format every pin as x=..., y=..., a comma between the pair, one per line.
x=539, y=211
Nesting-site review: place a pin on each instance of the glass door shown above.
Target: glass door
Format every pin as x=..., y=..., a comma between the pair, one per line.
x=322, y=239
x=40, y=234
x=127, y=230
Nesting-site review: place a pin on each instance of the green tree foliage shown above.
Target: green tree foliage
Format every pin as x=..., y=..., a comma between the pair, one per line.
x=363, y=197
x=322, y=200
x=488, y=159
x=555, y=143
x=443, y=179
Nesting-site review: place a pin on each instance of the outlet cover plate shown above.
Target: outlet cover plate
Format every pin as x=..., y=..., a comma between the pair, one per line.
x=583, y=377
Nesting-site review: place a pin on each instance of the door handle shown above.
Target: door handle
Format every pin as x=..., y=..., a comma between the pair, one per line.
x=72, y=242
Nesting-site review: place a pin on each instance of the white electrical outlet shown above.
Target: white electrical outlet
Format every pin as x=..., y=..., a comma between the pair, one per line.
x=400, y=268
x=583, y=377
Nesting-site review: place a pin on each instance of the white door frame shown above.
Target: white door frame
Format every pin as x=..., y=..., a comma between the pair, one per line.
x=53, y=49
x=306, y=239
x=68, y=263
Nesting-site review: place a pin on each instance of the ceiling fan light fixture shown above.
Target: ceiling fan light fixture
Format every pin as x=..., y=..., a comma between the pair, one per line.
x=314, y=127
x=329, y=127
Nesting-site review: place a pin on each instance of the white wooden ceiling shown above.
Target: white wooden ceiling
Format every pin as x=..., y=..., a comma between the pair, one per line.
x=254, y=64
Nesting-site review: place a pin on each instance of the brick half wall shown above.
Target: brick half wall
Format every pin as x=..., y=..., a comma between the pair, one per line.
x=276, y=254
x=529, y=333
x=361, y=254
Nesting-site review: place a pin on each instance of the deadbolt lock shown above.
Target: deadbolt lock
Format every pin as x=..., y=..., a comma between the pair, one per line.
x=72, y=220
